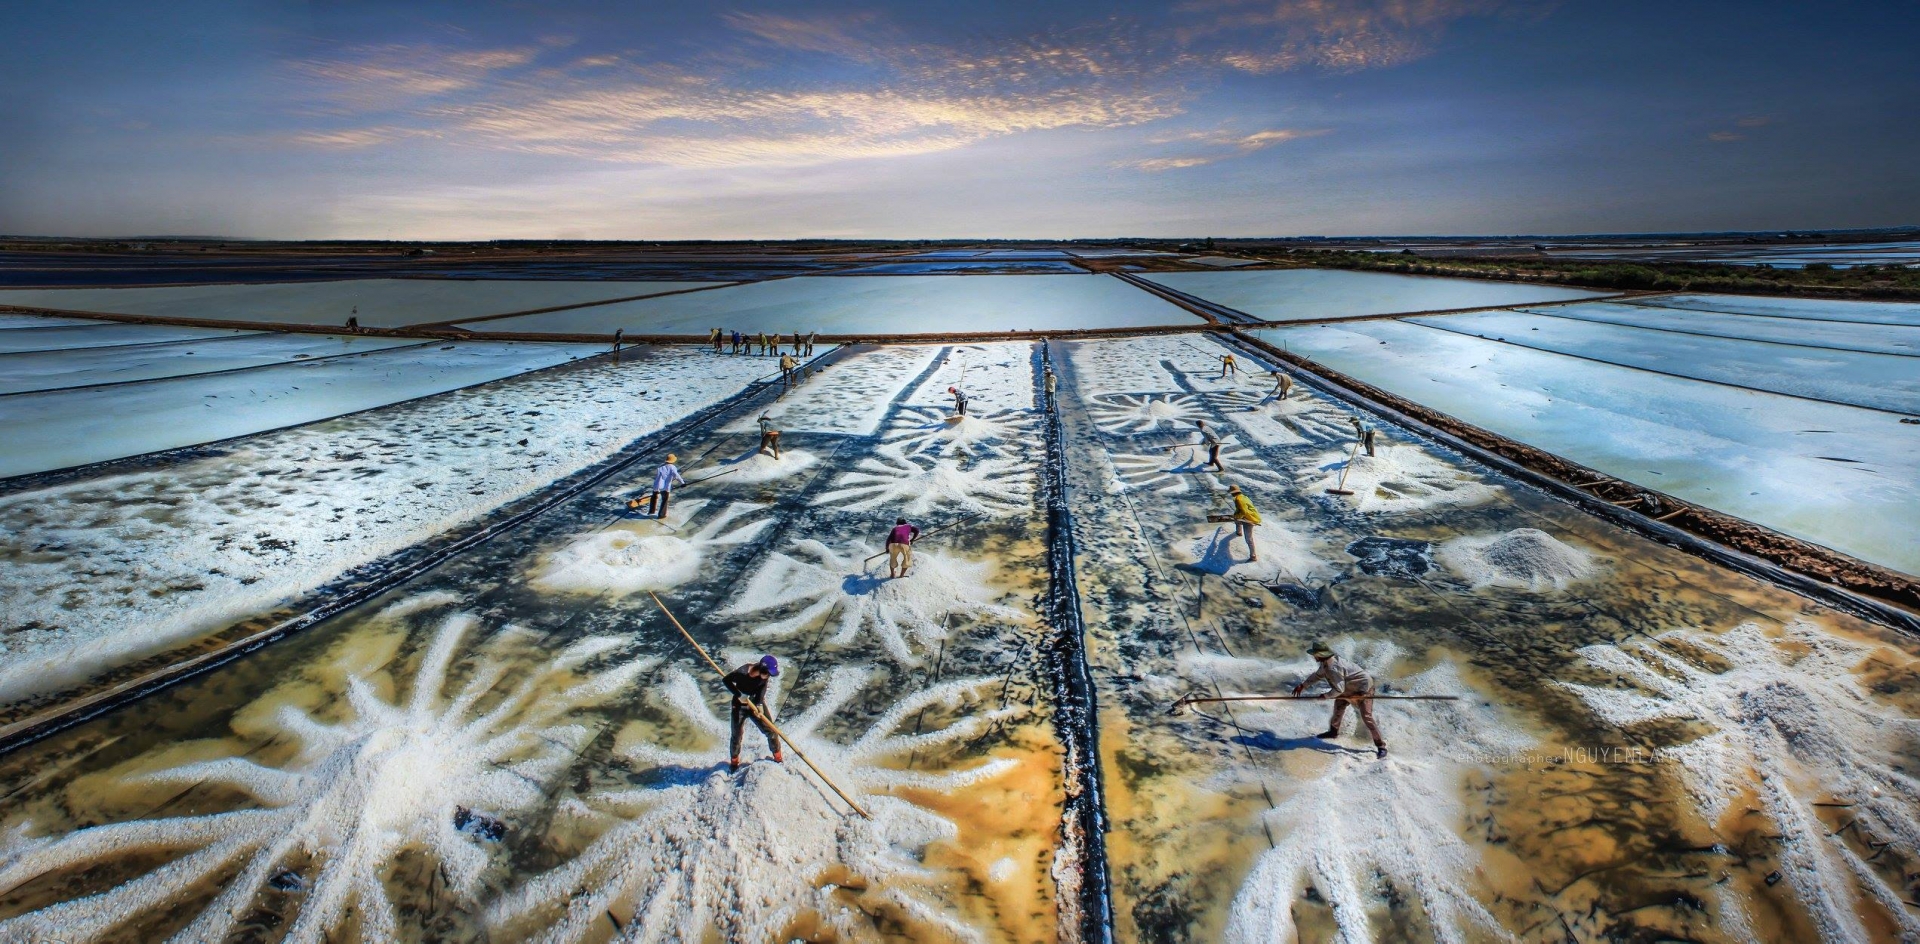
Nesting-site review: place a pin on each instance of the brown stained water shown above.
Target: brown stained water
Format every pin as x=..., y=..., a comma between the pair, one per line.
x=314, y=789
x=1648, y=747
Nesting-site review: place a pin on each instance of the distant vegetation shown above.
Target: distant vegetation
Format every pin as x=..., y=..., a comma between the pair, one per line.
x=1867, y=281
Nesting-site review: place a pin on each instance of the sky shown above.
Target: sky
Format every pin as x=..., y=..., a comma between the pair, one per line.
x=1036, y=119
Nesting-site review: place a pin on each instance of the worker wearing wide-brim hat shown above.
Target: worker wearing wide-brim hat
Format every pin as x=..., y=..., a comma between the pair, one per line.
x=1346, y=683
x=1245, y=519
x=664, y=479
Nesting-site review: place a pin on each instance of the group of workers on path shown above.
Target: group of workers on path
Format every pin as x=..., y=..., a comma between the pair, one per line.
x=769, y=344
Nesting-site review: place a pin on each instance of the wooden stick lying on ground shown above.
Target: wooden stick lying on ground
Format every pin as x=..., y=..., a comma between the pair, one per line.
x=782, y=735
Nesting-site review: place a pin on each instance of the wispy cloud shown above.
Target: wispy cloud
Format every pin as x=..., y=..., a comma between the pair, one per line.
x=781, y=90
x=1226, y=144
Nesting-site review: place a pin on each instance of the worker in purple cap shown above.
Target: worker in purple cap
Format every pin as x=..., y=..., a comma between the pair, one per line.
x=748, y=684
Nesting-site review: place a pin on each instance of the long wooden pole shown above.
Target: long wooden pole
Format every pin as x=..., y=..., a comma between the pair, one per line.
x=1186, y=700
x=756, y=710
x=928, y=534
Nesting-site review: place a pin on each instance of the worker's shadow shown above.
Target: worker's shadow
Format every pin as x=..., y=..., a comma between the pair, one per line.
x=1217, y=558
x=862, y=584
x=1269, y=741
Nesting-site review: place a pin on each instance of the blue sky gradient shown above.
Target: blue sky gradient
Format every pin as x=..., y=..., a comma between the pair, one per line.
x=1034, y=119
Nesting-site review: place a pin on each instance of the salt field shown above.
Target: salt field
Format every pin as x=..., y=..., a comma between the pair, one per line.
x=375, y=302
x=1879, y=381
x=63, y=428
x=1807, y=333
x=922, y=304
x=1313, y=294
x=126, y=363
x=1836, y=475
x=26, y=340
x=1813, y=309
x=483, y=721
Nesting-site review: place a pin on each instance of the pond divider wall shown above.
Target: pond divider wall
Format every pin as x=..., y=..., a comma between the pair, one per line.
x=1829, y=577
x=369, y=580
x=1081, y=870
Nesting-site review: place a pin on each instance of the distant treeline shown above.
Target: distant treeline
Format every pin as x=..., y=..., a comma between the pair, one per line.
x=1862, y=281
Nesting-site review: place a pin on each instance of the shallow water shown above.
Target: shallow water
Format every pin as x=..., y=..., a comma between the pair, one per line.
x=879, y=304
x=1306, y=294
x=1865, y=337
x=385, y=303
x=920, y=696
x=1519, y=810
x=75, y=367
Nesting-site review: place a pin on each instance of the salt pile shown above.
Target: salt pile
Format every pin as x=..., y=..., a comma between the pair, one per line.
x=1792, y=726
x=819, y=580
x=759, y=466
x=623, y=561
x=1523, y=557
x=385, y=781
x=740, y=857
x=1127, y=413
x=916, y=486
x=850, y=396
x=933, y=431
x=1285, y=554
x=1171, y=472
x=1368, y=835
x=1401, y=478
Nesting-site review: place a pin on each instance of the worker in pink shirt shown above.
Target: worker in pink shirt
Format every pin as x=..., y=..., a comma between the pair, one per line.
x=900, y=547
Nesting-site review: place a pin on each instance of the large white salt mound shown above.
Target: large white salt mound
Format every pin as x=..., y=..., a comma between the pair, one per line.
x=1523, y=557
x=627, y=559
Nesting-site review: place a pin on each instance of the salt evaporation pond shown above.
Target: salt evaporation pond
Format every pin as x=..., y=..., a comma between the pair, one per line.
x=1879, y=381
x=11, y=321
x=1307, y=294
x=885, y=305
x=64, y=428
x=1647, y=747
x=1824, y=333
x=379, y=302
x=517, y=743
x=1813, y=309
x=1836, y=475
x=103, y=334
x=175, y=553
x=77, y=367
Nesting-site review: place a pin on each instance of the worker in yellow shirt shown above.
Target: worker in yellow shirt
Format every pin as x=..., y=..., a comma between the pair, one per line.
x=1245, y=519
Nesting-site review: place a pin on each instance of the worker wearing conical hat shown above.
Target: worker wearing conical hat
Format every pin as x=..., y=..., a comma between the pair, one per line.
x=1245, y=519
x=1346, y=683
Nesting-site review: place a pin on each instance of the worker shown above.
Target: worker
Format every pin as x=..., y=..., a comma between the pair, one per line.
x=796, y=342
x=1282, y=385
x=664, y=479
x=900, y=547
x=769, y=437
x=353, y=321
x=1228, y=366
x=1245, y=519
x=714, y=336
x=748, y=684
x=1211, y=440
x=789, y=372
x=619, y=335
x=1364, y=431
x=810, y=336
x=959, y=401
x=1346, y=683
x=1053, y=383
x=736, y=341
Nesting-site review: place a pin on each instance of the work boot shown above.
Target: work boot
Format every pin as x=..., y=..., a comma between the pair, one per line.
x=780, y=758
x=1328, y=735
x=1380, y=752
x=733, y=763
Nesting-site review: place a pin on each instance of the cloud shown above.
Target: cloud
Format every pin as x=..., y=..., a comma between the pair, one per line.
x=1231, y=144
x=1264, y=36
x=777, y=89
x=1725, y=136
